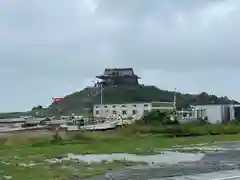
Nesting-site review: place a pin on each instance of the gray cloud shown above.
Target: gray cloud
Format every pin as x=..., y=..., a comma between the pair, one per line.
x=52, y=48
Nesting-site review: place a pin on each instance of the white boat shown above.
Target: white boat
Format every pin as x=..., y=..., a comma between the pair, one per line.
x=100, y=126
x=92, y=127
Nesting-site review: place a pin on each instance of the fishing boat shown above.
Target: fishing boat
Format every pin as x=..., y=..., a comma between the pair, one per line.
x=100, y=126
x=97, y=126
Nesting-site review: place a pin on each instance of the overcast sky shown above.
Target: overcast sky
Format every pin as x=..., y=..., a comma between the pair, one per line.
x=50, y=48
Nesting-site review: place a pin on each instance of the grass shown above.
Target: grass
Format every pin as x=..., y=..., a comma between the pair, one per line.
x=64, y=170
x=16, y=150
x=100, y=142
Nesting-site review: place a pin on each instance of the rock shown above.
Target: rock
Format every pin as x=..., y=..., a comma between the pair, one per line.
x=7, y=177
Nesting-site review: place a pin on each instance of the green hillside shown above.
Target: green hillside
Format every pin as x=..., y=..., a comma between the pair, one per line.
x=82, y=101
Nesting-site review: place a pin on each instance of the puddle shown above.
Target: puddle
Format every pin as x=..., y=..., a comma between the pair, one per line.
x=194, y=149
x=7, y=177
x=28, y=165
x=203, y=149
x=163, y=158
x=191, y=145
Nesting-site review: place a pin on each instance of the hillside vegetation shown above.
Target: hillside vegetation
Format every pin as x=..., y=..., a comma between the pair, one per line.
x=82, y=101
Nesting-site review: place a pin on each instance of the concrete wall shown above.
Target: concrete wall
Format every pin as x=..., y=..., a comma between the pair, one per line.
x=134, y=110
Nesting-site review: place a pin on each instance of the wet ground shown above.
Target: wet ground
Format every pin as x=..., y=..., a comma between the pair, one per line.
x=219, y=162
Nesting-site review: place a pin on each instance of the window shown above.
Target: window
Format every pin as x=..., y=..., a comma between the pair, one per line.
x=145, y=105
x=105, y=106
x=113, y=106
x=134, y=112
x=97, y=106
x=124, y=112
x=97, y=112
x=114, y=112
x=134, y=105
x=123, y=105
x=145, y=112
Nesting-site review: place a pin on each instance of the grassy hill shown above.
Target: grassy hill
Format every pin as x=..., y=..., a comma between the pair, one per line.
x=82, y=101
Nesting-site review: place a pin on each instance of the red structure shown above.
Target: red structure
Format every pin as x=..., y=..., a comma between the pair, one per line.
x=56, y=100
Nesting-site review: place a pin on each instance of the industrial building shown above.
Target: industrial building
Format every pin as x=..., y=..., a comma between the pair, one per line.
x=217, y=113
x=130, y=110
x=185, y=115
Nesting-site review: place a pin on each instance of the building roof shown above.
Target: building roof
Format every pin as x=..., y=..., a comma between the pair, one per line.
x=150, y=102
x=119, y=71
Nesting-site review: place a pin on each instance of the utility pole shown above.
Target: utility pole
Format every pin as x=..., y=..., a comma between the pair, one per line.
x=175, y=99
x=174, y=103
x=101, y=96
x=100, y=84
x=101, y=89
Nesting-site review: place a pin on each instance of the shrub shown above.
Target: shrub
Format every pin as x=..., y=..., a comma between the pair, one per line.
x=197, y=127
x=16, y=141
x=235, y=121
x=130, y=129
x=158, y=117
x=151, y=129
x=204, y=129
x=173, y=129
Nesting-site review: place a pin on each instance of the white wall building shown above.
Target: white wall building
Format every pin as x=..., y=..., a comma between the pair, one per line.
x=217, y=113
x=127, y=110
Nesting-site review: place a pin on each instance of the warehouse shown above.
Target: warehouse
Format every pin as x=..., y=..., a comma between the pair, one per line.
x=217, y=113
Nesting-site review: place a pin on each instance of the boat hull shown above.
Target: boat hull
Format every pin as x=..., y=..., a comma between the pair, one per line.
x=92, y=127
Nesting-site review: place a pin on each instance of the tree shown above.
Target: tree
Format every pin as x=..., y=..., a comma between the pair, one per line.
x=36, y=108
x=158, y=117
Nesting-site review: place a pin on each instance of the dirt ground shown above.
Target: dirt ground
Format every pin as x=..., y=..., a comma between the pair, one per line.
x=28, y=133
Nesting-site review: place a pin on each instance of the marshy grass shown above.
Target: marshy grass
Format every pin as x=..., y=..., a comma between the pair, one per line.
x=58, y=171
x=25, y=148
x=131, y=135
